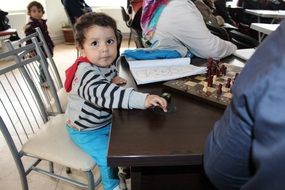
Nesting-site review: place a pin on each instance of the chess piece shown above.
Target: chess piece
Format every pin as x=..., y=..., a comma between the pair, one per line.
x=214, y=79
x=215, y=67
x=222, y=69
x=205, y=88
x=225, y=71
x=210, y=81
x=218, y=73
x=219, y=90
x=228, y=85
x=236, y=75
x=167, y=97
x=170, y=106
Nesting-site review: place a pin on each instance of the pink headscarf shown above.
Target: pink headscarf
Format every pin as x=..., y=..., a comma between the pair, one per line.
x=148, y=11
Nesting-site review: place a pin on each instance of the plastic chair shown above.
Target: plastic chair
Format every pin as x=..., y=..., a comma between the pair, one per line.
x=218, y=31
x=47, y=59
x=243, y=41
x=134, y=25
x=28, y=130
x=127, y=20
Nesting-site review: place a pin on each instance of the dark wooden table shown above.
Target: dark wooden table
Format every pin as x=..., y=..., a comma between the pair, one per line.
x=167, y=147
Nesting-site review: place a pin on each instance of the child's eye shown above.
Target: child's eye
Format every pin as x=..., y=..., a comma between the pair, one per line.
x=110, y=41
x=95, y=43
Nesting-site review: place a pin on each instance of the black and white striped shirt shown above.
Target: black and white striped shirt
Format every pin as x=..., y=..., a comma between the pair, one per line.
x=93, y=97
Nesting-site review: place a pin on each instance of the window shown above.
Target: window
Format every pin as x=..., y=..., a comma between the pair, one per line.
x=14, y=5
x=106, y=3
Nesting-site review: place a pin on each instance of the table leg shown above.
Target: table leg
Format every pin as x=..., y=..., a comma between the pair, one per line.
x=136, y=175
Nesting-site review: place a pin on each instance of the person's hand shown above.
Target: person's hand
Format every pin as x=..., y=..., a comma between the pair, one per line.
x=154, y=100
x=119, y=80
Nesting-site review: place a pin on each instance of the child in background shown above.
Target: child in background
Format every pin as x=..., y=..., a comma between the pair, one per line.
x=92, y=83
x=36, y=12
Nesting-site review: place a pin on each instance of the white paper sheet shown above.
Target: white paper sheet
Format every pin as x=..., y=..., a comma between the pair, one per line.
x=149, y=71
x=244, y=54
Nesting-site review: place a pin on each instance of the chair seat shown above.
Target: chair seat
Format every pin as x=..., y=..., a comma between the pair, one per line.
x=53, y=143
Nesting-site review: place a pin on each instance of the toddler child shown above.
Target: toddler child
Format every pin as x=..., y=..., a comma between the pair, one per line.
x=93, y=86
x=36, y=12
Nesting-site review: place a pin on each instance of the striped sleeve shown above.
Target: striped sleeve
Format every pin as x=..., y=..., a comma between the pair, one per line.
x=98, y=90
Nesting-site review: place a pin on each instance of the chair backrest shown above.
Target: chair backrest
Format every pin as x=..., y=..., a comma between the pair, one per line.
x=48, y=67
x=22, y=100
x=44, y=47
x=126, y=16
x=242, y=41
x=37, y=64
x=25, y=122
x=138, y=38
x=218, y=31
x=134, y=25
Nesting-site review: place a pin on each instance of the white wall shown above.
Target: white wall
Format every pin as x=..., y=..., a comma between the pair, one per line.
x=56, y=16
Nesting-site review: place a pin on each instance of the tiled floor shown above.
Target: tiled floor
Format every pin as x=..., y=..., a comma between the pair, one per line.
x=64, y=56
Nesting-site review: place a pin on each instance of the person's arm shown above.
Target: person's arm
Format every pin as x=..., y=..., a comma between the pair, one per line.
x=246, y=146
x=29, y=29
x=268, y=142
x=187, y=30
x=95, y=88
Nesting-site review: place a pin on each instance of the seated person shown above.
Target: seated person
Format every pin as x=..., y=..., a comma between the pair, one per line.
x=75, y=8
x=220, y=9
x=185, y=31
x=208, y=12
x=94, y=91
x=245, y=149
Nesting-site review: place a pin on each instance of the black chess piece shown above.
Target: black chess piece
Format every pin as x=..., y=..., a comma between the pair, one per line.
x=170, y=107
x=167, y=97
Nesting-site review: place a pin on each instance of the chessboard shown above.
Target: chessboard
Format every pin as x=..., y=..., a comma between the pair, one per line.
x=213, y=87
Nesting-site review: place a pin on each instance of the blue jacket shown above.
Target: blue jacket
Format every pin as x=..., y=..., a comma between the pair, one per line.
x=246, y=148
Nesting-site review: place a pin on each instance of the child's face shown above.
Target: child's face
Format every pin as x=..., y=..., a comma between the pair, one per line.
x=36, y=13
x=100, y=46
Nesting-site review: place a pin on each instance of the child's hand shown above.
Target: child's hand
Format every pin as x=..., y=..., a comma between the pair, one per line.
x=119, y=80
x=154, y=100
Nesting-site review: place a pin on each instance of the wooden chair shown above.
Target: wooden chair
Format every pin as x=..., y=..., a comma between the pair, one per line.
x=28, y=129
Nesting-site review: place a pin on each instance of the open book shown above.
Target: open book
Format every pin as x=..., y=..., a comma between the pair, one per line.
x=149, y=71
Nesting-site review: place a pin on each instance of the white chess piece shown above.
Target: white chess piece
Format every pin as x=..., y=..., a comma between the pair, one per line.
x=205, y=88
x=214, y=79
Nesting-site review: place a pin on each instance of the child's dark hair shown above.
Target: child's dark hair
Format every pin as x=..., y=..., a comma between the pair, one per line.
x=36, y=4
x=90, y=19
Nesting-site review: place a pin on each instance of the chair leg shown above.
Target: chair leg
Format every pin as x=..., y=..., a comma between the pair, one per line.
x=23, y=176
x=51, y=168
x=130, y=38
x=90, y=178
